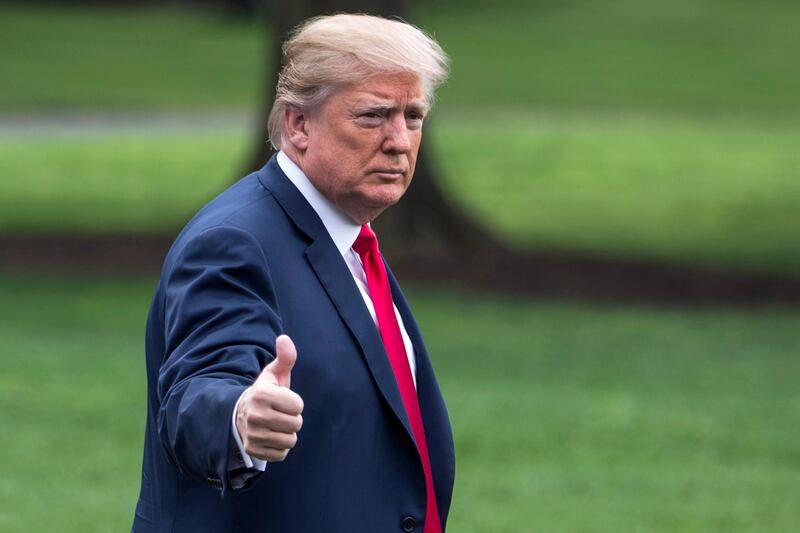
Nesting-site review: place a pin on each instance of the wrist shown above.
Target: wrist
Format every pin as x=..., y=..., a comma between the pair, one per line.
x=241, y=412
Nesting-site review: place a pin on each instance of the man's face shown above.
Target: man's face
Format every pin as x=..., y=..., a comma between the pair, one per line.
x=362, y=143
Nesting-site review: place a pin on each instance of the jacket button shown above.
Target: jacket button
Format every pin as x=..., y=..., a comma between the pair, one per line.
x=408, y=524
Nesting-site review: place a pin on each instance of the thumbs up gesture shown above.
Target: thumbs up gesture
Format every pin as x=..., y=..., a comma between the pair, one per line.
x=269, y=414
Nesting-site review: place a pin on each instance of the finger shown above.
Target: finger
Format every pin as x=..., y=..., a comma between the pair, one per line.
x=271, y=454
x=285, y=357
x=273, y=420
x=286, y=401
x=284, y=423
x=254, y=449
x=269, y=397
x=272, y=439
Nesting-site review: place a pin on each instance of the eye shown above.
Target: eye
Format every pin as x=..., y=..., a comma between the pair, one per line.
x=369, y=119
x=414, y=120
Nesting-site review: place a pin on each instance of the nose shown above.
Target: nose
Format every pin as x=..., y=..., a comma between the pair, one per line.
x=397, y=137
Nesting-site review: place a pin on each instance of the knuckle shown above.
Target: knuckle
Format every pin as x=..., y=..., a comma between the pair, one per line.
x=259, y=395
x=270, y=418
x=252, y=418
x=282, y=393
x=249, y=448
x=275, y=455
x=271, y=441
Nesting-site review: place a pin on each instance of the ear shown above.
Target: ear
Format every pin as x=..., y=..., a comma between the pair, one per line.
x=295, y=126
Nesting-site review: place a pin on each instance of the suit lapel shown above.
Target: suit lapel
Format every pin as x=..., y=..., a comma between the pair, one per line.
x=427, y=387
x=434, y=413
x=336, y=279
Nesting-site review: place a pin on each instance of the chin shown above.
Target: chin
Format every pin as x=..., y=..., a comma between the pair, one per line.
x=368, y=211
x=379, y=204
x=375, y=199
x=388, y=195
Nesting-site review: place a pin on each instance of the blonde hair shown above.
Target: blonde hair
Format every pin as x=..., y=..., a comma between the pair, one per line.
x=328, y=52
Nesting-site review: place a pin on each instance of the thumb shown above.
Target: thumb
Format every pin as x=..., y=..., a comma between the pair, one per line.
x=285, y=356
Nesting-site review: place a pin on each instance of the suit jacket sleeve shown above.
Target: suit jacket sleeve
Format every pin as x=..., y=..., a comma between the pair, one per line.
x=220, y=323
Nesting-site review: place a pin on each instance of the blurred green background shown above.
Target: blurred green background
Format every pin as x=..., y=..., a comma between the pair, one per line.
x=630, y=128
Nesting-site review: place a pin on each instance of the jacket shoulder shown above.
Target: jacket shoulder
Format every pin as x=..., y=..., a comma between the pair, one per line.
x=246, y=205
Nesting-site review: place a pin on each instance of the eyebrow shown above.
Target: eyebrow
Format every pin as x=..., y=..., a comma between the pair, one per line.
x=384, y=106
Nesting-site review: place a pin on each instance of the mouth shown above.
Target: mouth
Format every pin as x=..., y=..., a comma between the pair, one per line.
x=391, y=173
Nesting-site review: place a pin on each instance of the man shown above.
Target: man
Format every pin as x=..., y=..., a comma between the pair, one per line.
x=276, y=312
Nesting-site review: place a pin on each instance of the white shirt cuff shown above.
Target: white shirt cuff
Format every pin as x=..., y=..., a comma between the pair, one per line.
x=242, y=459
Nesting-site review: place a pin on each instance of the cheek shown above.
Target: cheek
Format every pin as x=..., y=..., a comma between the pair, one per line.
x=412, y=155
x=356, y=140
x=416, y=140
x=354, y=155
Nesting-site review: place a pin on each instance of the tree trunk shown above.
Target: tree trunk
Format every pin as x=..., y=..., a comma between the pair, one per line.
x=282, y=17
x=425, y=223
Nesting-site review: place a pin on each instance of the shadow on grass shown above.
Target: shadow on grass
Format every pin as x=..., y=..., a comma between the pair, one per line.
x=524, y=273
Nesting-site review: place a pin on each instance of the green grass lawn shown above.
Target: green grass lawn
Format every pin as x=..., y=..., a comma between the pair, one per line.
x=78, y=58
x=698, y=55
x=718, y=192
x=566, y=417
x=628, y=128
x=624, y=128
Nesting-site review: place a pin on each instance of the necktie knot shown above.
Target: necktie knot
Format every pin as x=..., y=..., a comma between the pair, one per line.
x=366, y=241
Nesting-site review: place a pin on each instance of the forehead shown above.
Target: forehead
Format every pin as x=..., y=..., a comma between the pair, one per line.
x=401, y=88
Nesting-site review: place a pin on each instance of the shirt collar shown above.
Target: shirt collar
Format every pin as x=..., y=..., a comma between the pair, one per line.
x=341, y=228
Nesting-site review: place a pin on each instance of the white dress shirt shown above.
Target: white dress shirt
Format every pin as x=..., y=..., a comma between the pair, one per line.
x=343, y=231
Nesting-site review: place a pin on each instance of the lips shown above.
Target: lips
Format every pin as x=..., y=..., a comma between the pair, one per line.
x=390, y=171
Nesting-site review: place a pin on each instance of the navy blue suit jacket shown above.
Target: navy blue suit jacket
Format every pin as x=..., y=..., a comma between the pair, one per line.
x=253, y=263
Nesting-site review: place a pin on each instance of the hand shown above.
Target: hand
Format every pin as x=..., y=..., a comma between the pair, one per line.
x=268, y=416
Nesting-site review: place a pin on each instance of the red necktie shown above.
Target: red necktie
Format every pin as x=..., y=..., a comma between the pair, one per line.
x=366, y=246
